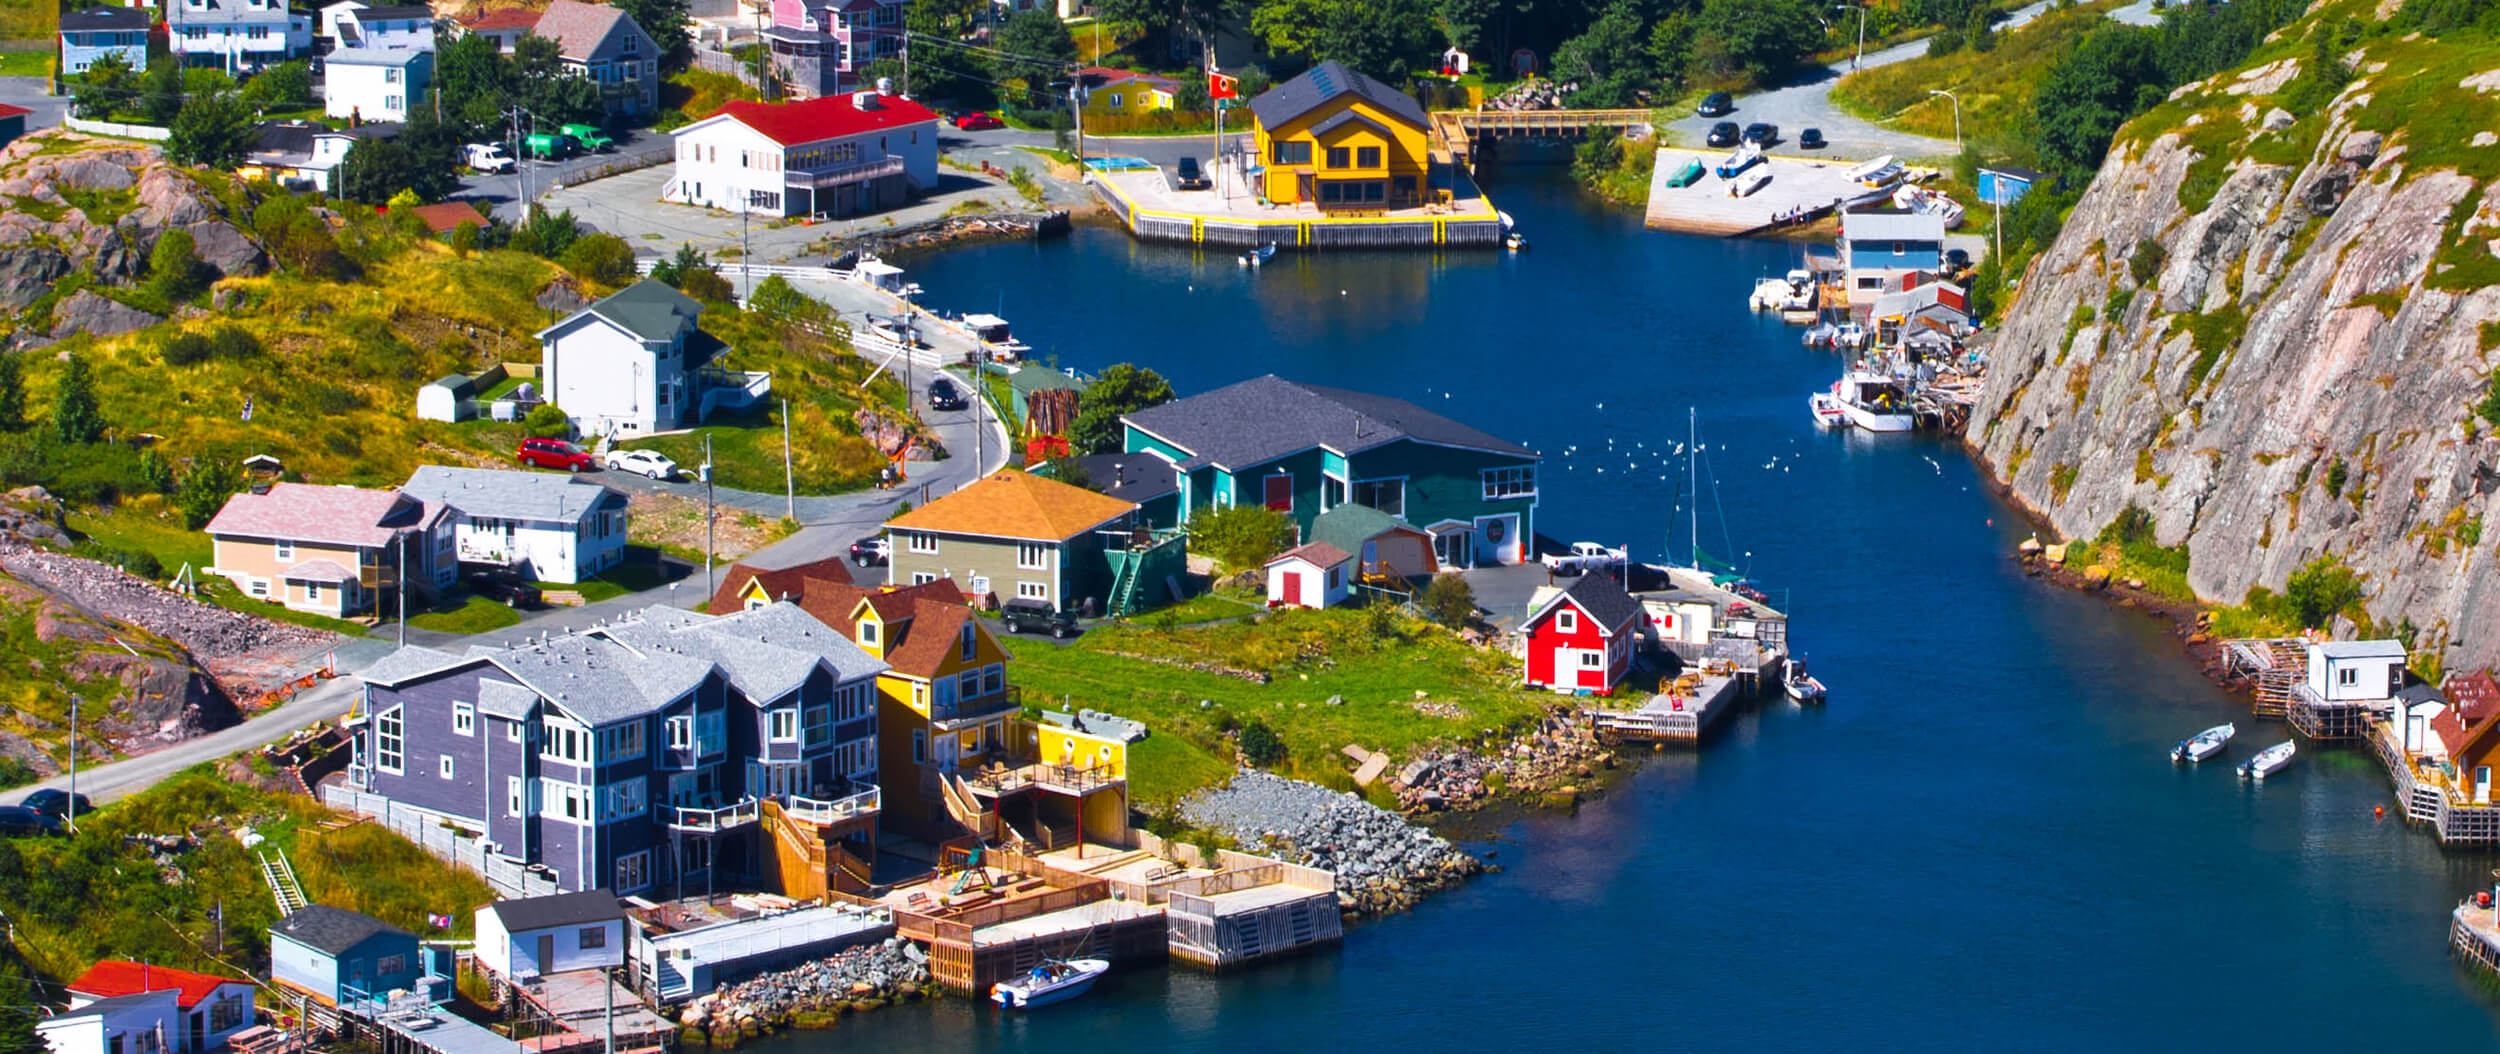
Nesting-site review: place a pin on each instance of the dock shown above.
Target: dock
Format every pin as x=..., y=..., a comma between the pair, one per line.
x=2429, y=793
x=2271, y=667
x=1800, y=190
x=1681, y=713
x=1153, y=211
x=2474, y=934
x=682, y=949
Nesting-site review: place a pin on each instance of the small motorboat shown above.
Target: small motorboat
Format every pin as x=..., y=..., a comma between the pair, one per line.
x=1769, y=293
x=1054, y=981
x=1516, y=241
x=2268, y=761
x=1800, y=685
x=2204, y=744
x=1258, y=256
x=1879, y=172
x=1745, y=183
x=1820, y=335
x=1737, y=161
x=1828, y=413
x=1874, y=402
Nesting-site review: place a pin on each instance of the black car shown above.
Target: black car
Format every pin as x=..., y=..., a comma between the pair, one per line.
x=1034, y=616
x=55, y=803
x=18, y=821
x=1957, y=259
x=1723, y=134
x=504, y=587
x=943, y=395
x=1762, y=133
x=1810, y=139
x=1188, y=176
x=1718, y=104
x=870, y=551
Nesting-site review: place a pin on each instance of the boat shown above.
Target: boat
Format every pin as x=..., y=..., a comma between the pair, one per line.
x=1879, y=172
x=1874, y=402
x=1258, y=256
x=883, y=277
x=1689, y=174
x=991, y=331
x=2204, y=744
x=1054, y=981
x=1798, y=305
x=1736, y=163
x=1515, y=241
x=1828, y=413
x=1769, y=293
x=1929, y=202
x=896, y=331
x=1800, y=685
x=1820, y=335
x=2268, y=761
x=1746, y=183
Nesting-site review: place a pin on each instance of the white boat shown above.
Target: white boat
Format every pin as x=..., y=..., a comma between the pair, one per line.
x=1820, y=335
x=1769, y=294
x=1929, y=202
x=883, y=277
x=2268, y=761
x=1880, y=172
x=991, y=331
x=1874, y=402
x=2204, y=744
x=1748, y=182
x=1800, y=685
x=1744, y=157
x=1258, y=256
x=1828, y=413
x=1054, y=981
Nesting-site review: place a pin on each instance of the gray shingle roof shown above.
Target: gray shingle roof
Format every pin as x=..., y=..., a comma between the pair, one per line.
x=505, y=699
x=1130, y=477
x=598, y=680
x=563, y=909
x=1344, y=118
x=511, y=494
x=335, y=931
x=1326, y=81
x=647, y=309
x=227, y=12
x=1892, y=227
x=579, y=29
x=1602, y=597
x=766, y=653
x=378, y=56
x=171, y=997
x=405, y=663
x=2362, y=649
x=393, y=14
x=105, y=18
x=1258, y=420
x=1349, y=525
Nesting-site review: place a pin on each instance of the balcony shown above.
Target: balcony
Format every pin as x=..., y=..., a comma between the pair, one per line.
x=843, y=175
x=973, y=711
x=811, y=810
x=699, y=820
x=999, y=780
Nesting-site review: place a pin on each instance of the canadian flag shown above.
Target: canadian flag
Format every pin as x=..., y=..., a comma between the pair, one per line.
x=1220, y=86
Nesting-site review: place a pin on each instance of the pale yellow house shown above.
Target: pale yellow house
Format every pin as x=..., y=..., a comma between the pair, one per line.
x=1116, y=93
x=328, y=550
x=1341, y=141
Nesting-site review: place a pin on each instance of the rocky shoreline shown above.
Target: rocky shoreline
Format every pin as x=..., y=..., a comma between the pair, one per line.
x=2189, y=622
x=1383, y=862
x=814, y=995
x=1555, y=765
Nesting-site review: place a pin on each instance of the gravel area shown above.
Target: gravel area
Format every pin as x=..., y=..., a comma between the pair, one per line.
x=855, y=978
x=210, y=632
x=1383, y=863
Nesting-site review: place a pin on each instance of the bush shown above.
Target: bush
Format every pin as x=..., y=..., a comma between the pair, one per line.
x=602, y=258
x=1448, y=600
x=1240, y=537
x=1260, y=746
x=205, y=490
x=175, y=273
x=185, y=349
x=547, y=420
x=2317, y=592
x=2144, y=264
x=234, y=343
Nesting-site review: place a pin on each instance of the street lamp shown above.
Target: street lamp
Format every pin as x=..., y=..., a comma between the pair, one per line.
x=1860, y=56
x=1957, y=115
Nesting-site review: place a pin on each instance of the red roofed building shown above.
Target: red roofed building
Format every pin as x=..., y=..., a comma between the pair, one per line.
x=835, y=156
x=212, y=1008
x=12, y=122
x=330, y=550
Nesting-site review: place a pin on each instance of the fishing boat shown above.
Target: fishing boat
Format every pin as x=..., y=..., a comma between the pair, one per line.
x=1798, y=305
x=1880, y=172
x=1929, y=202
x=1874, y=402
x=1515, y=241
x=1736, y=163
x=1819, y=335
x=2268, y=761
x=1769, y=293
x=1054, y=981
x=1258, y=256
x=2204, y=744
x=992, y=332
x=1800, y=685
x=1828, y=413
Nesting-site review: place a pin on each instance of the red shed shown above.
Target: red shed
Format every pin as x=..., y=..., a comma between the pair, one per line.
x=1580, y=639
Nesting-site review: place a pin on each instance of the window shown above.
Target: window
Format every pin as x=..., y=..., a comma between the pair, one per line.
x=868, y=632
x=591, y=937
x=633, y=871
x=968, y=640
x=1292, y=153
x=1900, y=248
x=1386, y=495
x=1340, y=157
x=1032, y=556
x=463, y=719
x=920, y=541
x=1515, y=482
x=515, y=799
x=968, y=684
x=286, y=550
x=443, y=766
x=312, y=591
x=512, y=731
x=229, y=1013
x=620, y=742
x=1116, y=100
x=922, y=578
x=2347, y=677
x=711, y=732
x=1592, y=659
x=623, y=800
x=993, y=678
x=783, y=724
x=769, y=200
x=819, y=725
x=563, y=741
x=1367, y=157
x=681, y=733
x=1336, y=577
x=1033, y=590
x=391, y=102
x=1567, y=620
x=565, y=801
x=390, y=76
x=920, y=746
x=260, y=587
x=389, y=966
x=390, y=741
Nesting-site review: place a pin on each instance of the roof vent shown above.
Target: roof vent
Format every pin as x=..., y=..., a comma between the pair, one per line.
x=866, y=100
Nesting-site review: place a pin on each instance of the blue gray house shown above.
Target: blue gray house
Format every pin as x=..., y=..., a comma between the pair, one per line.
x=96, y=32
x=1303, y=449
x=342, y=957
x=1879, y=247
x=632, y=754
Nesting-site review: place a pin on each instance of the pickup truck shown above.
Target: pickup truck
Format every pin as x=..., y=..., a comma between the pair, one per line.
x=1584, y=557
x=591, y=139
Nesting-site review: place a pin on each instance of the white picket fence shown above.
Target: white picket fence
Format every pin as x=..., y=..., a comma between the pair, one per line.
x=151, y=132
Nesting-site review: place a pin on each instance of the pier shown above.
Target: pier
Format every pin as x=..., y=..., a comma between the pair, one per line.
x=2429, y=795
x=1678, y=713
x=2271, y=667
x=1454, y=132
x=1152, y=211
x=2474, y=933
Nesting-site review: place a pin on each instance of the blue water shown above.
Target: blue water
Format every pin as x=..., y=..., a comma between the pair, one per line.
x=1978, y=844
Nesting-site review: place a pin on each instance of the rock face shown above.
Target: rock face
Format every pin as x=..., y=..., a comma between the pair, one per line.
x=86, y=312
x=47, y=230
x=2296, y=378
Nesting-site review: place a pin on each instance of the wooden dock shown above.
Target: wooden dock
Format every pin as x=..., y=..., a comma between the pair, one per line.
x=1455, y=132
x=2474, y=935
x=2271, y=667
x=1679, y=714
x=2427, y=793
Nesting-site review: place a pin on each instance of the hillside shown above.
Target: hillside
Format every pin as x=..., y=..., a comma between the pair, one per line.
x=2268, y=323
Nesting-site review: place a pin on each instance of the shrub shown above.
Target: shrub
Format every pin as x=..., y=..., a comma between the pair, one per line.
x=706, y=285
x=1241, y=537
x=464, y=238
x=2318, y=591
x=76, y=417
x=1260, y=746
x=175, y=273
x=1448, y=600
x=602, y=258
x=205, y=490
x=185, y=349
x=234, y=343
x=547, y=420
x=2336, y=475
x=2144, y=264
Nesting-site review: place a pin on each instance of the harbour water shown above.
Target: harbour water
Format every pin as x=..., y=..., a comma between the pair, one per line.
x=1980, y=843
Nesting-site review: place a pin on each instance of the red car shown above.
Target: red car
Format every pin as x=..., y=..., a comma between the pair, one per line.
x=556, y=453
x=977, y=121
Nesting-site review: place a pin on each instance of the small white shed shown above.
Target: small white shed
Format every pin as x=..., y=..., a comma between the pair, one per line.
x=1312, y=576
x=537, y=936
x=2356, y=671
x=449, y=399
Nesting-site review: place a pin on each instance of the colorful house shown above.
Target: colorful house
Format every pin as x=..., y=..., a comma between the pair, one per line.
x=824, y=46
x=138, y=1023
x=838, y=155
x=1118, y=93
x=1146, y=480
x=341, y=957
x=208, y=1010
x=2003, y=185
x=1018, y=536
x=90, y=35
x=329, y=550
x=1339, y=140
x=1303, y=449
x=1387, y=551
x=601, y=44
x=1312, y=575
x=1581, y=636
x=2355, y=671
x=1878, y=247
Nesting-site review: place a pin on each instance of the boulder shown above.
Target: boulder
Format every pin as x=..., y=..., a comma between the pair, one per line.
x=87, y=312
x=2278, y=120
x=91, y=171
x=220, y=245
x=27, y=272
x=563, y=295
x=2360, y=147
x=172, y=199
x=2096, y=577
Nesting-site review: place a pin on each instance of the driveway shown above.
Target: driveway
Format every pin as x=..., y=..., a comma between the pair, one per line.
x=501, y=194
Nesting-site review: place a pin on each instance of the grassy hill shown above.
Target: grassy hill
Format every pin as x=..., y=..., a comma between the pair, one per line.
x=1995, y=86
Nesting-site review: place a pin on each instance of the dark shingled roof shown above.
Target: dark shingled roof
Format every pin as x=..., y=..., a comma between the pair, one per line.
x=1140, y=478
x=563, y=909
x=1258, y=420
x=116, y=18
x=647, y=309
x=1346, y=117
x=333, y=930
x=1603, y=598
x=1326, y=81
x=392, y=14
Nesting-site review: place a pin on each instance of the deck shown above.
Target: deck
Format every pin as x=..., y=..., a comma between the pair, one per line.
x=1152, y=210
x=689, y=949
x=1679, y=714
x=2428, y=797
x=2474, y=933
x=1802, y=187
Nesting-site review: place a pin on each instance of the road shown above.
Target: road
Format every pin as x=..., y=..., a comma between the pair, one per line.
x=28, y=92
x=112, y=781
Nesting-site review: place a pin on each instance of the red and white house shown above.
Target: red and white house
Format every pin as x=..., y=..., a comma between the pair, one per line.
x=1315, y=575
x=834, y=156
x=1581, y=636
x=211, y=1009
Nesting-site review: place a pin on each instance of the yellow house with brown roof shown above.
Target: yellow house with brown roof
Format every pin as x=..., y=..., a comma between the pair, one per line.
x=1341, y=141
x=1014, y=536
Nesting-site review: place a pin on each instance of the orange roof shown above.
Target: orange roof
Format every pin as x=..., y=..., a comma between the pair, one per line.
x=444, y=216
x=113, y=977
x=924, y=623
x=499, y=18
x=1012, y=504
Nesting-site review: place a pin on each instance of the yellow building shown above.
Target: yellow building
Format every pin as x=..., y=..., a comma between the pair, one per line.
x=1341, y=141
x=1117, y=93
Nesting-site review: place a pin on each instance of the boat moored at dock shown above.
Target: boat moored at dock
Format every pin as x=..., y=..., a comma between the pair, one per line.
x=2268, y=761
x=2204, y=744
x=1871, y=401
x=1054, y=981
x=1802, y=687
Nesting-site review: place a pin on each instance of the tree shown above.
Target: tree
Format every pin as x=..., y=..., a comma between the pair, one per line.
x=285, y=86
x=204, y=490
x=546, y=233
x=1198, y=20
x=374, y=169
x=18, y=1011
x=1038, y=45
x=464, y=238
x=473, y=78
x=1760, y=38
x=776, y=299
x=1387, y=39
x=1611, y=62
x=1464, y=22
x=602, y=258
x=2084, y=97
x=433, y=154
x=156, y=471
x=163, y=101
x=665, y=20
x=706, y=285
x=1260, y=746
x=107, y=83
x=937, y=70
x=1240, y=537
x=1123, y=388
x=175, y=273
x=12, y=392
x=1448, y=600
x=2321, y=590
x=547, y=420
x=75, y=416
x=211, y=130
x=299, y=239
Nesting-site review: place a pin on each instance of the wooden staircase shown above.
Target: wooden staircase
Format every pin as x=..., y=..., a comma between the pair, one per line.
x=275, y=870
x=571, y=598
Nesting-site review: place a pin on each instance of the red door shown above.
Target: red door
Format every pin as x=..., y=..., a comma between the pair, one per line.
x=1293, y=588
x=1279, y=493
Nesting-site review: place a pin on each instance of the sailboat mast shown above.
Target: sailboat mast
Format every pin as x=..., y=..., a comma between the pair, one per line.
x=1692, y=466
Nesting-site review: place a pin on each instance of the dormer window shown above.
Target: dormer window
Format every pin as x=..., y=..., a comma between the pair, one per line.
x=967, y=640
x=867, y=634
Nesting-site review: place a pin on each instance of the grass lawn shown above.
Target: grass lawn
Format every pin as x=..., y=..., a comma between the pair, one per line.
x=1135, y=671
x=25, y=63
x=1205, y=607
x=222, y=593
x=1995, y=86
x=471, y=614
x=146, y=525
x=640, y=570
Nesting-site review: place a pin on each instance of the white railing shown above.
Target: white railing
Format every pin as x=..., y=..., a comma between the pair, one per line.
x=151, y=132
x=724, y=818
x=815, y=811
x=837, y=176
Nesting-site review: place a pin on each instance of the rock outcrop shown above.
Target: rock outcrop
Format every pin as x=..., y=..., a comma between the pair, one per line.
x=99, y=210
x=87, y=312
x=2298, y=374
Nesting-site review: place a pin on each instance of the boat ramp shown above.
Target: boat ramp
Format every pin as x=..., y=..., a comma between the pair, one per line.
x=1800, y=191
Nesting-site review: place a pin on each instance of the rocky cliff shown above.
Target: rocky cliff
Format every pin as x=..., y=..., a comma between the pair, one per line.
x=71, y=204
x=2272, y=330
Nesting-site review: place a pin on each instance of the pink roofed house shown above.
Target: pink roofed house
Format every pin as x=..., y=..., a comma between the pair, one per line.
x=328, y=550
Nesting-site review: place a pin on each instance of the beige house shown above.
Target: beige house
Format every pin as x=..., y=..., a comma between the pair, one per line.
x=1011, y=536
x=328, y=550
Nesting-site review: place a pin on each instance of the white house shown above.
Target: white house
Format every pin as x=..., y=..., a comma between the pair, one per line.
x=550, y=527
x=140, y=1023
x=1313, y=575
x=356, y=24
x=537, y=936
x=302, y=155
x=375, y=84
x=637, y=362
x=237, y=36
x=208, y=1010
x=2356, y=671
x=1677, y=621
x=833, y=156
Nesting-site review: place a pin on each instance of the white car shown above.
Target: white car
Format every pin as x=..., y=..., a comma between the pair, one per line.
x=641, y=463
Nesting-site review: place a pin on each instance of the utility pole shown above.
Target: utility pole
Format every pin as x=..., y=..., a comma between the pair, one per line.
x=789, y=478
x=1859, y=59
x=1957, y=115
x=746, y=264
x=906, y=63
x=72, y=821
x=607, y=1009
x=710, y=514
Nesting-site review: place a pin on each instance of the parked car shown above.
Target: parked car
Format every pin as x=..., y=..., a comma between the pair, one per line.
x=978, y=120
x=650, y=463
x=18, y=821
x=1584, y=557
x=943, y=395
x=1188, y=176
x=487, y=157
x=539, y=452
x=55, y=803
x=870, y=551
x=1811, y=139
x=1723, y=134
x=547, y=146
x=1957, y=259
x=1762, y=133
x=1717, y=104
x=1034, y=616
x=591, y=138
x=504, y=587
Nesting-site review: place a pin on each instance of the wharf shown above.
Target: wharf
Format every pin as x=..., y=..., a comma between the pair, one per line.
x=1679, y=714
x=585, y=1007
x=1152, y=211
x=2474, y=933
x=2428, y=793
x=1804, y=188
x=683, y=949
x=414, y=1025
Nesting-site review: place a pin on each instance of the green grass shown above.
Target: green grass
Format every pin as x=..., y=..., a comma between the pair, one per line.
x=821, y=379
x=222, y=593
x=641, y=570
x=1995, y=87
x=1205, y=607
x=53, y=652
x=25, y=63
x=471, y=614
x=146, y=525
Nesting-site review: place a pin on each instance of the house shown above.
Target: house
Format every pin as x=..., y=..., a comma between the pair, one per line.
x=1311, y=575
x=636, y=755
x=599, y=42
x=833, y=156
x=1934, y=309
x=549, y=527
x=12, y=122
x=340, y=957
x=99, y=31
x=1149, y=482
x=1678, y=620
x=1115, y=93
x=745, y=587
x=1386, y=550
x=1014, y=535
x=2465, y=735
x=303, y=155
x=375, y=84
x=443, y=217
x=2355, y=671
x=1304, y=449
x=537, y=936
x=1879, y=246
x=148, y=1022
x=503, y=25
x=2003, y=185
x=209, y=1009
x=824, y=46
x=330, y=550
x=356, y=24
x=1339, y=140
x=639, y=361
x=1581, y=636
x=237, y=36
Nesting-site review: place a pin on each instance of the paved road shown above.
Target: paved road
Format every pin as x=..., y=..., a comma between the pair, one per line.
x=2139, y=13
x=28, y=92
x=104, y=783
